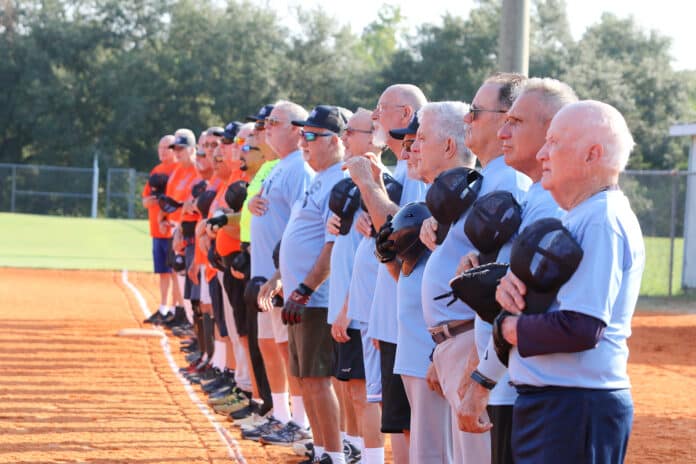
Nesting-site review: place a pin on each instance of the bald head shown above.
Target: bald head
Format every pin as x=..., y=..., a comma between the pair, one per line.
x=598, y=123
x=407, y=94
x=395, y=108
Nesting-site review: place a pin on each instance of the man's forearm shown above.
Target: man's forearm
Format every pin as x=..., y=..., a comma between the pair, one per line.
x=379, y=206
x=320, y=271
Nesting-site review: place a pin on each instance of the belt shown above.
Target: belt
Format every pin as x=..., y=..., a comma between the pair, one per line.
x=451, y=329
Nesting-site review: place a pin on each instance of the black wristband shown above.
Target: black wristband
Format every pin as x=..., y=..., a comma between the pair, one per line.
x=482, y=380
x=304, y=290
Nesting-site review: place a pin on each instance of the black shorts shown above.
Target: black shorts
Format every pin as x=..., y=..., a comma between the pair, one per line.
x=501, y=434
x=396, y=410
x=349, y=358
x=235, y=293
x=218, y=307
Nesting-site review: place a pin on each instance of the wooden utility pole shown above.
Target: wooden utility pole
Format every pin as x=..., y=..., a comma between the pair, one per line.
x=513, y=42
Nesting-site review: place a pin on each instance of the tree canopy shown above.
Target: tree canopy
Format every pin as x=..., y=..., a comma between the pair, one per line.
x=112, y=76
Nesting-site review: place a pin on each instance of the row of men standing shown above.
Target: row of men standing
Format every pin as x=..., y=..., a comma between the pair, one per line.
x=437, y=367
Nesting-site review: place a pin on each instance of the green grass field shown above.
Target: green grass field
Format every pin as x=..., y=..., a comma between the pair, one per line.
x=28, y=240
x=81, y=243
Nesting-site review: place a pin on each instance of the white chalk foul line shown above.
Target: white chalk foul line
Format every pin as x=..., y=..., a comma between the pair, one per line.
x=228, y=440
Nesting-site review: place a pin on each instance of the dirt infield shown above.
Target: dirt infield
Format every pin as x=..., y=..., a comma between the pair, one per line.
x=72, y=391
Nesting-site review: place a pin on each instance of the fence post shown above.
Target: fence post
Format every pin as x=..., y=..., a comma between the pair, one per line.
x=131, y=193
x=14, y=187
x=95, y=184
x=672, y=230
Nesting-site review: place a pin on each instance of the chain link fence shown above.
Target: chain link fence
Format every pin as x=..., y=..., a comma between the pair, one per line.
x=657, y=197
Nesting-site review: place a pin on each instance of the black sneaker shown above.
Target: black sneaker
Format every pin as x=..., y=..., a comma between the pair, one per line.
x=252, y=408
x=155, y=318
x=352, y=453
x=177, y=319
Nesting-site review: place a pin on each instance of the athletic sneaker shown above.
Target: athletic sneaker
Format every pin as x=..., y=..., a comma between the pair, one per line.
x=351, y=452
x=155, y=318
x=270, y=426
x=252, y=408
x=304, y=449
x=291, y=433
x=325, y=459
x=248, y=423
x=235, y=404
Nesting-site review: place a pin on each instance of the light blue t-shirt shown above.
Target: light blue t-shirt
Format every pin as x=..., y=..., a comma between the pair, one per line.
x=605, y=286
x=442, y=265
x=305, y=235
x=536, y=204
x=363, y=282
x=284, y=185
x=383, y=318
x=414, y=343
x=342, y=258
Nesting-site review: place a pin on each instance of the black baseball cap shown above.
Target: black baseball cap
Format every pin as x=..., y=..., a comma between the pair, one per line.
x=544, y=256
x=493, y=220
x=325, y=117
x=184, y=140
x=231, y=130
x=235, y=195
x=411, y=129
x=204, y=201
x=263, y=113
x=451, y=194
x=344, y=201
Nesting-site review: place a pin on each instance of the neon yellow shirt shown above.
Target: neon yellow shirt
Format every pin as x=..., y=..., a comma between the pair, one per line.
x=253, y=188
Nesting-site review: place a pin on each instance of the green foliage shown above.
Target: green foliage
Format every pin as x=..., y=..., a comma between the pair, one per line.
x=112, y=76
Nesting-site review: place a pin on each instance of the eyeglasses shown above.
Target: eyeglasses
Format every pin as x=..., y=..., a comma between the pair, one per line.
x=407, y=144
x=272, y=122
x=239, y=140
x=474, y=111
x=380, y=107
x=211, y=145
x=248, y=148
x=260, y=125
x=350, y=131
x=312, y=136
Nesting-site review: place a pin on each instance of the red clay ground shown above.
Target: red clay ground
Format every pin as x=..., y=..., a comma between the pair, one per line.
x=71, y=391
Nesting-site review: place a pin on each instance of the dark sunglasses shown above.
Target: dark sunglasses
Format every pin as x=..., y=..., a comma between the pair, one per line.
x=312, y=136
x=248, y=148
x=260, y=125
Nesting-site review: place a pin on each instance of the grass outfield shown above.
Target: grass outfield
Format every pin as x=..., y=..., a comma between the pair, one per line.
x=81, y=243
x=54, y=242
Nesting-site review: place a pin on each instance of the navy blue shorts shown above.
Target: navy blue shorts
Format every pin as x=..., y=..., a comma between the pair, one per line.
x=396, y=410
x=160, y=250
x=216, y=297
x=571, y=425
x=349, y=358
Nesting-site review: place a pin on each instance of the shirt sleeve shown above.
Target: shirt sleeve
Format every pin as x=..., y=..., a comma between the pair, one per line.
x=557, y=332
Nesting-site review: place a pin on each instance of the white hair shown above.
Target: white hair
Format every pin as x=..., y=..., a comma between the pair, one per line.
x=449, y=121
x=408, y=94
x=294, y=111
x=553, y=93
x=602, y=123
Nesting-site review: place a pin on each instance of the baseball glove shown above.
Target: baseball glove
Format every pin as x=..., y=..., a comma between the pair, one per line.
x=476, y=287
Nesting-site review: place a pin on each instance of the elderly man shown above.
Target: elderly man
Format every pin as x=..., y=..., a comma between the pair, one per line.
x=395, y=109
x=271, y=208
x=161, y=242
x=304, y=260
x=522, y=135
x=569, y=363
x=451, y=325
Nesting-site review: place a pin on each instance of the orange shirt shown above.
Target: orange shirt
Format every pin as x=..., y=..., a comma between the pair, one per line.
x=152, y=210
x=224, y=242
x=179, y=187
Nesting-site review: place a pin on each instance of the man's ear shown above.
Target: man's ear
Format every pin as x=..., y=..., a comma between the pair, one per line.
x=450, y=148
x=595, y=153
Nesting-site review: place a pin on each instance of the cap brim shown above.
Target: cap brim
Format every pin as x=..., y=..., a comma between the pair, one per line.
x=346, y=224
x=299, y=123
x=400, y=134
x=441, y=233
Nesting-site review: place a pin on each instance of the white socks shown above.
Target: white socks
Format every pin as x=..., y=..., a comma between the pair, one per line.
x=372, y=456
x=281, y=407
x=337, y=457
x=219, y=355
x=298, y=412
x=358, y=442
x=164, y=310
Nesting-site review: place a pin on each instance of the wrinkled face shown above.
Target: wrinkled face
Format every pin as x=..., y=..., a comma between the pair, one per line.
x=524, y=131
x=429, y=148
x=204, y=162
x=221, y=164
x=316, y=151
x=561, y=155
x=165, y=153
x=484, y=118
x=183, y=154
x=240, y=140
x=412, y=159
x=251, y=157
x=277, y=130
x=357, y=137
x=388, y=115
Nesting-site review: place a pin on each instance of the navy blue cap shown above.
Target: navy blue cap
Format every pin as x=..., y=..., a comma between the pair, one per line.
x=231, y=130
x=184, y=140
x=263, y=113
x=411, y=129
x=325, y=117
